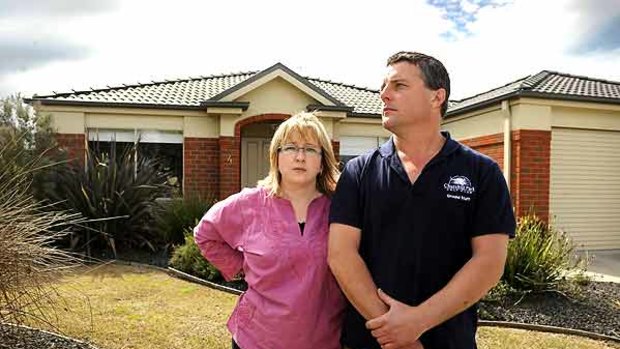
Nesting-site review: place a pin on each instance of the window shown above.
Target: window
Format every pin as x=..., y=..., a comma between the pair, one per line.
x=164, y=146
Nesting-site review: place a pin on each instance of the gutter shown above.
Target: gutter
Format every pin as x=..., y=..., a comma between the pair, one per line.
x=530, y=94
x=111, y=104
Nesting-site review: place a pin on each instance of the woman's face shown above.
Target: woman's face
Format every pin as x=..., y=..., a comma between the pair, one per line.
x=299, y=161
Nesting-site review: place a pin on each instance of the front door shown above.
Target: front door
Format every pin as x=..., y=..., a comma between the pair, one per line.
x=254, y=160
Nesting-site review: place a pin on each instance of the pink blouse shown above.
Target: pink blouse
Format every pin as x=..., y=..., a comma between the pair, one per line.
x=293, y=300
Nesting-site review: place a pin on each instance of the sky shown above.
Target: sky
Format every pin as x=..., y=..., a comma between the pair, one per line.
x=60, y=45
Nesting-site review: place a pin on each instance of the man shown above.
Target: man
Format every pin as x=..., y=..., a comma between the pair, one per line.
x=419, y=227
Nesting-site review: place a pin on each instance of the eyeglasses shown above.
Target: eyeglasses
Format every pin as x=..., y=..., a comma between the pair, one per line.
x=292, y=150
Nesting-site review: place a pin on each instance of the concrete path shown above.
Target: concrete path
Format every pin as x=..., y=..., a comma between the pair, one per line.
x=605, y=265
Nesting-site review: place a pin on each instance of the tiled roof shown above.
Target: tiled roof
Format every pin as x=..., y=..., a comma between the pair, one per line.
x=363, y=100
x=546, y=84
x=190, y=93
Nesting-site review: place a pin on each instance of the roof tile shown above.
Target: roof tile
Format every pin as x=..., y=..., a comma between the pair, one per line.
x=192, y=91
x=547, y=84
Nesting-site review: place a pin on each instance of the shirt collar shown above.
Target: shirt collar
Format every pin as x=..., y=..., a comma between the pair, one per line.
x=388, y=148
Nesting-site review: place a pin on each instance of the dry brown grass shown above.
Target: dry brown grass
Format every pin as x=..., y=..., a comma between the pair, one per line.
x=143, y=308
x=28, y=261
x=118, y=306
x=493, y=337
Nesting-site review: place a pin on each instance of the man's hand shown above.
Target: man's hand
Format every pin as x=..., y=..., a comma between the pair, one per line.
x=400, y=327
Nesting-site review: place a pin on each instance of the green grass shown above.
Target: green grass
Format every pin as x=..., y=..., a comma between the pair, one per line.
x=117, y=306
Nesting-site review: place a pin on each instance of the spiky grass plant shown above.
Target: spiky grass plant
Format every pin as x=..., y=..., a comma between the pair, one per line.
x=28, y=259
x=117, y=194
x=175, y=216
x=539, y=257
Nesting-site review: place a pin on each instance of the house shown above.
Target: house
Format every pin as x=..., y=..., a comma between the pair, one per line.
x=214, y=132
x=556, y=135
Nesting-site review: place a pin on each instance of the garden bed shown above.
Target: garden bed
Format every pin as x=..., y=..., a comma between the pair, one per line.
x=595, y=309
x=20, y=337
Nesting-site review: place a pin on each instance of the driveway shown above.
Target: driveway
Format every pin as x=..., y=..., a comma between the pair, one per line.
x=605, y=265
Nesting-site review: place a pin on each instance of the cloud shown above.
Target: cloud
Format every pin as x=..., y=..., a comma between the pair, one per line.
x=22, y=54
x=599, y=23
x=607, y=37
x=522, y=38
x=49, y=8
x=35, y=34
x=483, y=43
x=461, y=13
x=149, y=40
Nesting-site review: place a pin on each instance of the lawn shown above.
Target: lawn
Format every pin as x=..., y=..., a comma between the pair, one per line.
x=118, y=306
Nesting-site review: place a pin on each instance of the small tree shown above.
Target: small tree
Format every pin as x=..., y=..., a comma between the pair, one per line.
x=32, y=136
x=32, y=130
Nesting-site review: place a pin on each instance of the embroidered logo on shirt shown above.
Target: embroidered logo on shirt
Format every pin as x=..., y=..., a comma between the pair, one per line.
x=459, y=185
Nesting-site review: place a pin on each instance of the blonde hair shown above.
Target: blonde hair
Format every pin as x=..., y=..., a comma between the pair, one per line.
x=307, y=126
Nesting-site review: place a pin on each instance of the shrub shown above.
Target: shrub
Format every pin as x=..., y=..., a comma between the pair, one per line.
x=174, y=217
x=28, y=230
x=34, y=131
x=539, y=257
x=188, y=258
x=117, y=196
x=32, y=136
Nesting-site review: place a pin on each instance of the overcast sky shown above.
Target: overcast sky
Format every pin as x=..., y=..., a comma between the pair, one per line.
x=59, y=45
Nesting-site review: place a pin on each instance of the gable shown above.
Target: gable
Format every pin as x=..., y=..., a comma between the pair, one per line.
x=276, y=96
x=277, y=71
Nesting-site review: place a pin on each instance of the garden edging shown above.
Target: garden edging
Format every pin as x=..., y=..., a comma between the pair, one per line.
x=191, y=278
x=549, y=329
x=487, y=323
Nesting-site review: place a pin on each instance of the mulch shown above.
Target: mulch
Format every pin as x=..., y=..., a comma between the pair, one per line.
x=18, y=337
x=595, y=308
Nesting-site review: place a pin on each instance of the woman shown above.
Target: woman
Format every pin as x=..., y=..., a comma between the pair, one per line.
x=276, y=234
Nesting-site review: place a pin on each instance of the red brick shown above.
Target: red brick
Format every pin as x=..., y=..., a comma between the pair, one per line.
x=74, y=145
x=200, y=176
x=530, y=167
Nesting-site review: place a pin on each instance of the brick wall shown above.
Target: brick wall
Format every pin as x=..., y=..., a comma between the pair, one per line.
x=74, y=145
x=491, y=145
x=200, y=167
x=529, y=180
x=531, y=153
x=229, y=164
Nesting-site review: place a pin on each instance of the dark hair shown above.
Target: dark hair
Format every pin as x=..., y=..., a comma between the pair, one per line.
x=434, y=74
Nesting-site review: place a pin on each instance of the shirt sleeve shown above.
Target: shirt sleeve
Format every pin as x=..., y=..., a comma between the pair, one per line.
x=493, y=212
x=345, y=207
x=219, y=233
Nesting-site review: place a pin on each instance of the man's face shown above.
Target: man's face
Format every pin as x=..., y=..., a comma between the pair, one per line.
x=406, y=100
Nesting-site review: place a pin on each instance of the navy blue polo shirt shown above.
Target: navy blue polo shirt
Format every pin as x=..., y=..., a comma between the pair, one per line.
x=416, y=237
